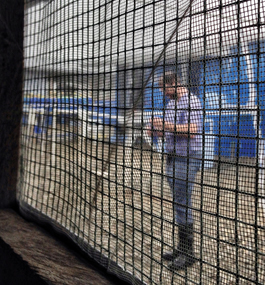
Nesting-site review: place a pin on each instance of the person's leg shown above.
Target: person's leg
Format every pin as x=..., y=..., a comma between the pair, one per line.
x=185, y=174
x=170, y=169
x=185, y=171
x=176, y=175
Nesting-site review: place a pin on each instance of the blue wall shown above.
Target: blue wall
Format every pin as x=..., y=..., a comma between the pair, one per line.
x=258, y=60
x=225, y=80
x=235, y=135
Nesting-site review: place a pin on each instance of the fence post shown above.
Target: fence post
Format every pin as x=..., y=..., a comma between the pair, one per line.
x=11, y=68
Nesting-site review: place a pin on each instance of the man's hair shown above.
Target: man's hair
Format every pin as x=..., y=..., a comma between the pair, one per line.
x=169, y=78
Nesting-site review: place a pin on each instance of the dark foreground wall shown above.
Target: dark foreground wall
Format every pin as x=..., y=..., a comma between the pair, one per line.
x=14, y=270
x=26, y=249
x=11, y=64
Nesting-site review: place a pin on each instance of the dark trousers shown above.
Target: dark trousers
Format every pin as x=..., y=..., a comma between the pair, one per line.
x=181, y=173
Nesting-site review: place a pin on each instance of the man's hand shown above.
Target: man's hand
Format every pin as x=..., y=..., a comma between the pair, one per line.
x=155, y=127
x=158, y=124
x=149, y=131
x=158, y=127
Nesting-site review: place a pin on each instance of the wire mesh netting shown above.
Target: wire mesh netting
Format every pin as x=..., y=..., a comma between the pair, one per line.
x=143, y=135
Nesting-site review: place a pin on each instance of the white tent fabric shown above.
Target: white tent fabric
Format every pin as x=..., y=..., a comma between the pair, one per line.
x=98, y=35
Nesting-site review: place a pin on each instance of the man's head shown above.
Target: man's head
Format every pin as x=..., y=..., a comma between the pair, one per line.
x=171, y=84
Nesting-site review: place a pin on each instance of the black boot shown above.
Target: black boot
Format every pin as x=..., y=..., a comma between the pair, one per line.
x=185, y=255
x=171, y=255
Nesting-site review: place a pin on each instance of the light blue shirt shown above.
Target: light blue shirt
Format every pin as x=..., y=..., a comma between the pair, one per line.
x=187, y=110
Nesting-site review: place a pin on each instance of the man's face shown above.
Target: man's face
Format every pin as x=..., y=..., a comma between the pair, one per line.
x=172, y=91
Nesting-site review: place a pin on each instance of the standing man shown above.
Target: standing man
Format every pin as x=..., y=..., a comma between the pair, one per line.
x=182, y=128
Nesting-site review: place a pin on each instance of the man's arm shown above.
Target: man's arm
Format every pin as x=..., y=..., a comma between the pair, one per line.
x=151, y=132
x=187, y=130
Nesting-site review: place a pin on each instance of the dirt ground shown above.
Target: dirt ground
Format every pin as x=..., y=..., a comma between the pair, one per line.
x=122, y=207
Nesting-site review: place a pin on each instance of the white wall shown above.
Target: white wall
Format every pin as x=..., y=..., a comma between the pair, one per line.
x=98, y=35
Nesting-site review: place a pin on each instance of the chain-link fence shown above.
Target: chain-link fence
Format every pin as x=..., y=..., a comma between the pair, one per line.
x=143, y=135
